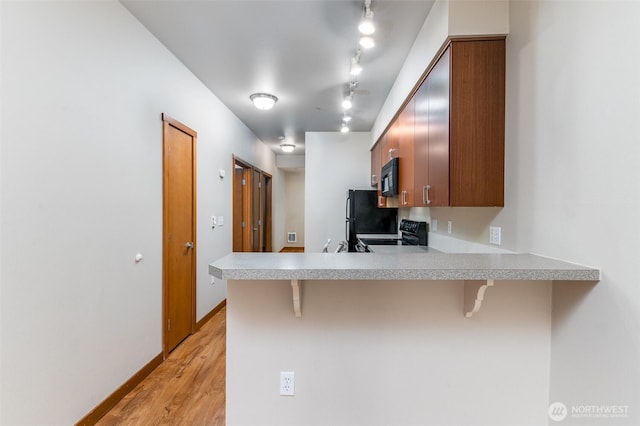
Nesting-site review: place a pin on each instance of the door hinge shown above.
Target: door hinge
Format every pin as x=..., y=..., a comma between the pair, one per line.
x=259, y=223
x=244, y=182
x=259, y=184
x=168, y=324
x=243, y=224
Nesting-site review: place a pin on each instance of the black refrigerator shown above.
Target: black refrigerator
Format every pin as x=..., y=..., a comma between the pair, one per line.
x=364, y=216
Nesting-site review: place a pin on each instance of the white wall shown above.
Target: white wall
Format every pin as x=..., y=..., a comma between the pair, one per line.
x=334, y=163
x=573, y=98
x=388, y=353
x=294, y=205
x=83, y=87
x=573, y=102
x=446, y=18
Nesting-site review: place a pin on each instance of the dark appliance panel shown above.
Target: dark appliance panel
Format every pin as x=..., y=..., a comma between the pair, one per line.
x=364, y=216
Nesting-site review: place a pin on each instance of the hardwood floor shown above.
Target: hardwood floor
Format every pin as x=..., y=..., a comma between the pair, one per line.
x=188, y=388
x=292, y=250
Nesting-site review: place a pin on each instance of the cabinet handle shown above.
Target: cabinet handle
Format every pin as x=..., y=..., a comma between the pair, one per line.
x=425, y=194
x=404, y=198
x=379, y=201
x=391, y=151
x=374, y=180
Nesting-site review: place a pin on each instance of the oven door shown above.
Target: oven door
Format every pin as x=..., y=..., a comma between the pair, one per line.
x=380, y=241
x=410, y=239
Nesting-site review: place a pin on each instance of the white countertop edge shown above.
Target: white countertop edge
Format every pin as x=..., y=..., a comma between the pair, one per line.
x=372, y=266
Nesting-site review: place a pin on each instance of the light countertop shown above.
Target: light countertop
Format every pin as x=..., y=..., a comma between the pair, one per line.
x=396, y=263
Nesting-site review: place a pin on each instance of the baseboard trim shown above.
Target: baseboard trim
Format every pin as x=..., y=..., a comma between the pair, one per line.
x=103, y=408
x=210, y=315
x=111, y=401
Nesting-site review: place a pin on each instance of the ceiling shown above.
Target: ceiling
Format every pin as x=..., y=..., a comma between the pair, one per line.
x=298, y=50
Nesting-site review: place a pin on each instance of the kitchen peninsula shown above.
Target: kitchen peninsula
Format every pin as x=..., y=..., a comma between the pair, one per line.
x=388, y=327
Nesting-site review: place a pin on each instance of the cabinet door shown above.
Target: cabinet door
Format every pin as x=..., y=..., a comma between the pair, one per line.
x=390, y=148
x=438, y=84
x=477, y=123
x=375, y=166
x=383, y=144
x=421, y=146
x=406, y=155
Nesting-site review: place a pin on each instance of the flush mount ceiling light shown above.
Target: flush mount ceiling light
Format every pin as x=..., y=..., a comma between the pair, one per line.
x=346, y=118
x=367, y=42
x=287, y=147
x=344, y=128
x=263, y=101
x=367, y=27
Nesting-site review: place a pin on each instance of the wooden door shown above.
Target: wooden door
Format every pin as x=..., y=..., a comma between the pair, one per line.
x=438, y=85
x=179, y=253
x=266, y=213
x=256, y=231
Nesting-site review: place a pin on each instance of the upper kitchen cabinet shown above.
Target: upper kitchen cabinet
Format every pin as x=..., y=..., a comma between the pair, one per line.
x=449, y=135
x=475, y=126
x=376, y=166
x=406, y=155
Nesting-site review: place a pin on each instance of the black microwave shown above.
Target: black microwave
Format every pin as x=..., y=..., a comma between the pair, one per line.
x=389, y=178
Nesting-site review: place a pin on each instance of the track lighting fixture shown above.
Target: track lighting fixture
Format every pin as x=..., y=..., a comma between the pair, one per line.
x=367, y=42
x=356, y=69
x=347, y=103
x=367, y=27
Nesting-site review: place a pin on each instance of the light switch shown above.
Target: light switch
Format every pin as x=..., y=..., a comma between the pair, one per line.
x=214, y=221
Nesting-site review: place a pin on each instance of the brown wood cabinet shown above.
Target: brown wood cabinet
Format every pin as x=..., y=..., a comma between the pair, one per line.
x=406, y=155
x=450, y=134
x=375, y=166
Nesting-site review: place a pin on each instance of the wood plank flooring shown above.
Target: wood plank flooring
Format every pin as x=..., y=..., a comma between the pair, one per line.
x=292, y=250
x=188, y=388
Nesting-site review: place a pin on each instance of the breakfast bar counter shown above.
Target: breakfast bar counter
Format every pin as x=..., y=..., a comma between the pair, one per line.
x=401, y=265
x=478, y=271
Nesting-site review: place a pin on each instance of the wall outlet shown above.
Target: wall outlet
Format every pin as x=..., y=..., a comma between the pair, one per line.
x=495, y=235
x=220, y=220
x=449, y=226
x=434, y=225
x=287, y=383
x=214, y=221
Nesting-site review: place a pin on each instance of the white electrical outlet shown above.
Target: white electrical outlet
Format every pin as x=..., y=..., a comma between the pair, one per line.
x=434, y=225
x=287, y=383
x=495, y=235
x=449, y=226
x=220, y=220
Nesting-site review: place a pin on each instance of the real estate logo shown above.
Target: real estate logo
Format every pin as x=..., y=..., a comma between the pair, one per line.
x=557, y=411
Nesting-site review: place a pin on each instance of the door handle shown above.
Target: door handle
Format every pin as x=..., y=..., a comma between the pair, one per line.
x=189, y=245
